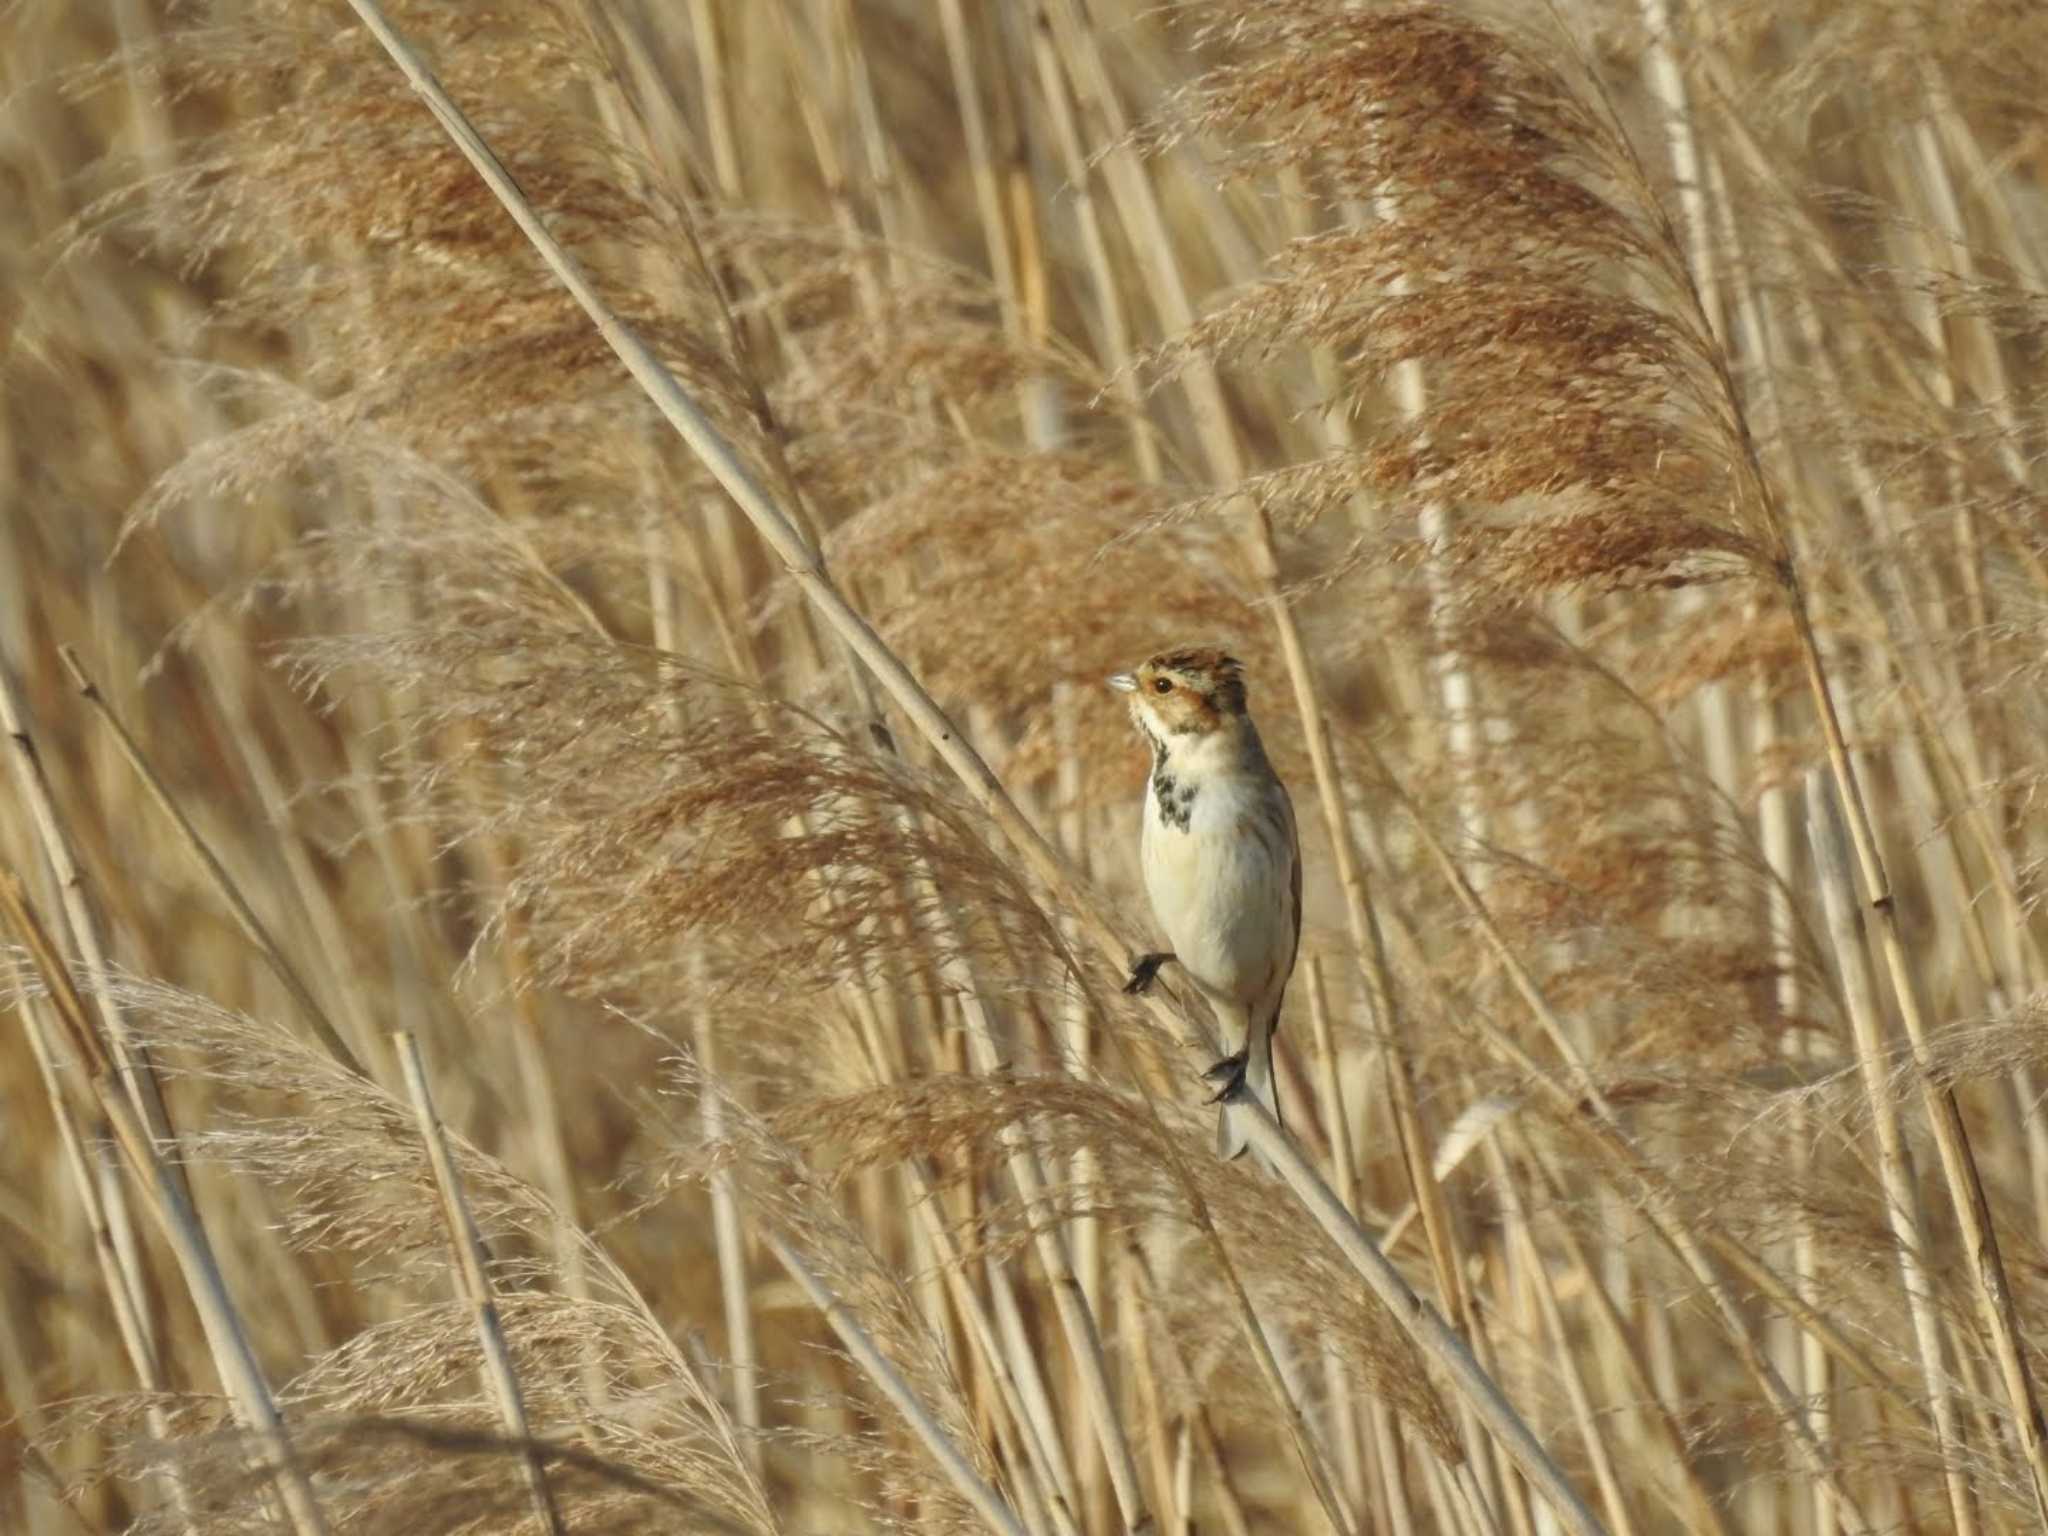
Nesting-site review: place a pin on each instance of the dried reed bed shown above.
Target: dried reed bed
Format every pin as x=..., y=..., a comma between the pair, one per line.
x=1610, y=435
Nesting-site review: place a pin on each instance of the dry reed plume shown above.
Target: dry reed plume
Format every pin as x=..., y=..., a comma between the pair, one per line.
x=565, y=979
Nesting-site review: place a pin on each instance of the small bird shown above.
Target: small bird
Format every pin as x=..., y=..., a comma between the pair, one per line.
x=1222, y=864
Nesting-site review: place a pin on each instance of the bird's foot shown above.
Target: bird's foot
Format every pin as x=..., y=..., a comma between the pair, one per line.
x=1144, y=971
x=1228, y=1075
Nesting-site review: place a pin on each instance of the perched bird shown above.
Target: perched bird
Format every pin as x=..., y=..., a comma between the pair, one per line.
x=1222, y=864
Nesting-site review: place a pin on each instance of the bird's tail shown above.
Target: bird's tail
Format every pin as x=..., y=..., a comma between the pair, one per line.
x=1231, y=1136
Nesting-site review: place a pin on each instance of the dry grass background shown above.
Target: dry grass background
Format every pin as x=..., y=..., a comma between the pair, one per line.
x=1610, y=433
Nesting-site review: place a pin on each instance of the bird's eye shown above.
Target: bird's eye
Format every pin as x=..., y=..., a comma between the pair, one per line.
x=1162, y=685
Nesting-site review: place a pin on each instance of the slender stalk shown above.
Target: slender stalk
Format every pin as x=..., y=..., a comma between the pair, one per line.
x=544, y=1129
x=1902, y=1194
x=1013, y=1361
x=1108, y=293
x=728, y=1231
x=1958, y=1164
x=1138, y=1269
x=725, y=160
x=1386, y=1449
x=1561, y=1351
x=1777, y=834
x=245, y=916
x=1344, y=1427
x=1673, y=1457
x=988, y=197
x=997, y=1515
x=138, y=1076
x=1005, y=1353
x=315, y=901
x=1077, y=1318
x=467, y=1245
x=241, y=1374
x=1173, y=1511
x=120, y=1263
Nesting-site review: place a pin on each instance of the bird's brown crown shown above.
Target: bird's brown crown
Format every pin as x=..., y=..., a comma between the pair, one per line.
x=1194, y=689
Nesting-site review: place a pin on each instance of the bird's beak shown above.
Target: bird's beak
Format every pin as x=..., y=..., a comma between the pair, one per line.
x=1124, y=682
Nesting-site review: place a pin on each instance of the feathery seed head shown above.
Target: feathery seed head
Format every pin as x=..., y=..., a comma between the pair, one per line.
x=1192, y=691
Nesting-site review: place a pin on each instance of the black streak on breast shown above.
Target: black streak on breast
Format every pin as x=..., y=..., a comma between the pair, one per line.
x=1176, y=800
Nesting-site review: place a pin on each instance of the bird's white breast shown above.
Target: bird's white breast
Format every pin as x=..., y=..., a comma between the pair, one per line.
x=1221, y=885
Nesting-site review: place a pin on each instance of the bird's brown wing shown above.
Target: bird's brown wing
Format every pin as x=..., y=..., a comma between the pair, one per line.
x=1294, y=895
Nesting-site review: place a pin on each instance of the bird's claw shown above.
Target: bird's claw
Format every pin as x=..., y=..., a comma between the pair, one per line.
x=1144, y=971
x=1229, y=1075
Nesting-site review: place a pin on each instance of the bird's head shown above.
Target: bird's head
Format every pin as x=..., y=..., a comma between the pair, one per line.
x=1193, y=692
